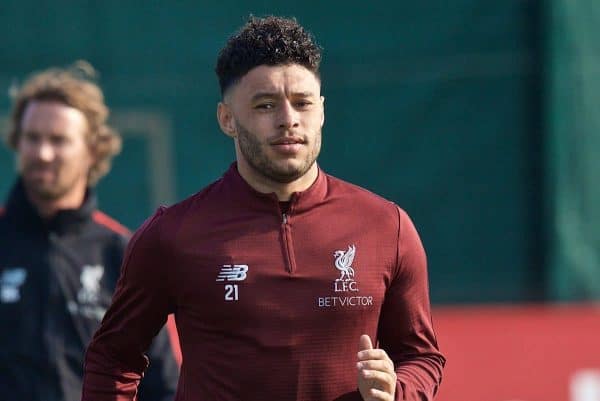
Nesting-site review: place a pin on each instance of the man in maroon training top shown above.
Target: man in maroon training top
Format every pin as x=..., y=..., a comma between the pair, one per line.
x=277, y=273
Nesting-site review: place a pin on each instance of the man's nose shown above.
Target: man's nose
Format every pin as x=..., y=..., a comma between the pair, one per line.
x=45, y=151
x=289, y=117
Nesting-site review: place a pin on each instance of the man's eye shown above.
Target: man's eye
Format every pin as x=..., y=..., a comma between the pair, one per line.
x=31, y=137
x=303, y=103
x=58, y=140
x=265, y=106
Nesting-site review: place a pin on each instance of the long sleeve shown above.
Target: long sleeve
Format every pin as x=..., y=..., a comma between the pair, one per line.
x=405, y=329
x=115, y=360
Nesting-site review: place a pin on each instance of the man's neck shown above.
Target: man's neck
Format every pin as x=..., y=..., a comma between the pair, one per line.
x=283, y=191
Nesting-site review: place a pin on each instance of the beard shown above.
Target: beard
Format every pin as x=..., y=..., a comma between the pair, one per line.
x=44, y=190
x=49, y=189
x=254, y=153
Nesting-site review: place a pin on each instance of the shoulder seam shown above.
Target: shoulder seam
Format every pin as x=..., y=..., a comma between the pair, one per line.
x=359, y=188
x=110, y=223
x=398, y=241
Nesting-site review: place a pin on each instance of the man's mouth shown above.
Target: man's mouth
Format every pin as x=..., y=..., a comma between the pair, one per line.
x=288, y=146
x=40, y=171
x=288, y=140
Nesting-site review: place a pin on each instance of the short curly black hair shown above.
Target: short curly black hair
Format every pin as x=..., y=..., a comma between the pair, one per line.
x=269, y=40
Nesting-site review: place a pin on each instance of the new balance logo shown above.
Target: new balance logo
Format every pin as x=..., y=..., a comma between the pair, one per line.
x=233, y=273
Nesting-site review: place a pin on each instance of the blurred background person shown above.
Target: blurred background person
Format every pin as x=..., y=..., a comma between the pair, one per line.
x=59, y=256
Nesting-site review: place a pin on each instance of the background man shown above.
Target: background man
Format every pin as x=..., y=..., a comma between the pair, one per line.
x=278, y=272
x=59, y=256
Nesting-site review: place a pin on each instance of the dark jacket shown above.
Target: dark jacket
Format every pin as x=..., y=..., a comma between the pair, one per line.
x=57, y=278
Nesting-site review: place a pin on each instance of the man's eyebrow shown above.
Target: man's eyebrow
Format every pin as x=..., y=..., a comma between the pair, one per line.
x=271, y=95
x=263, y=95
x=303, y=94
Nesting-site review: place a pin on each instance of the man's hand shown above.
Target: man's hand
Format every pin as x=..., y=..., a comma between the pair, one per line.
x=376, y=375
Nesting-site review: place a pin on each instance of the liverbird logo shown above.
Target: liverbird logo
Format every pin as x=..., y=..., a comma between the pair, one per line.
x=90, y=282
x=343, y=262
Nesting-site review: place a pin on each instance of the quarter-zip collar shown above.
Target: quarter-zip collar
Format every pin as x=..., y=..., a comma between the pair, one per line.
x=237, y=187
x=26, y=216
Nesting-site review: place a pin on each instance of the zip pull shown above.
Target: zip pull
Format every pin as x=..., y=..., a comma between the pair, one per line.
x=285, y=218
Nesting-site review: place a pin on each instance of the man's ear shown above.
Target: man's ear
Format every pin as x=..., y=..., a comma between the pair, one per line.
x=322, y=111
x=225, y=118
x=93, y=155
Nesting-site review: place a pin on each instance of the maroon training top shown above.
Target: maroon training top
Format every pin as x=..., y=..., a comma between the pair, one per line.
x=271, y=305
